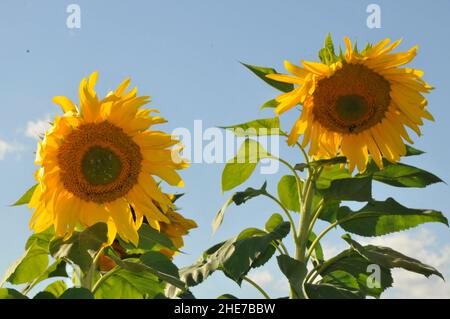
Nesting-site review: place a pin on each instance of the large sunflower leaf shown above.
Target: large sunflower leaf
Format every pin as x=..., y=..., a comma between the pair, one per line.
x=241, y=167
x=351, y=189
x=235, y=257
x=294, y=270
x=127, y=284
x=352, y=263
x=9, y=293
x=261, y=72
x=401, y=175
x=389, y=258
x=238, y=198
x=81, y=248
x=330, y=291
x=383, y=217
x=34, y=261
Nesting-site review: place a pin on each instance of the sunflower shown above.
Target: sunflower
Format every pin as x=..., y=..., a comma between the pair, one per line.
x=358, y=104
x=100, y=161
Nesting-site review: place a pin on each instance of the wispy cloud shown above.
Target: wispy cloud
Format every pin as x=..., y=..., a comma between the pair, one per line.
x=6, y=147
x=261, y=277
x=36, y=129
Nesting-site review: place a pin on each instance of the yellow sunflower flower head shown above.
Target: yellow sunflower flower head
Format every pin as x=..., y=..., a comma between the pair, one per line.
x=99, y=163
x=356, y=104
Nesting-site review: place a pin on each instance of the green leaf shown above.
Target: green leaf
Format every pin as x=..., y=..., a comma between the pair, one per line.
x=9, y=293
x=411, y=151
x=269, y=104
x=128, y=284
x=235, y=257
x=329, y=291
x=351, y=189
x=149, y=239
x=160, y=262
x=341, y=279
x=25, y=199
x=274, y=220
x=238, y=198
x=135, y=265
x=44, y=295
x=294, y=270
x=261, y=72
x=81, y=248
x=327, y=54
x=389, y=258
x=28, y=267
x=401, y=175
x=383, y=217
x=77, y=293
x=330, y=174
x=241, y=167
x=288, y=194
x=260, y=127
x=56, y=288
x=329, y=207
x=351, y=262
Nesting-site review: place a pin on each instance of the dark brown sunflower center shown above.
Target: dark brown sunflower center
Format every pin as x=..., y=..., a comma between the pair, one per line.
x=352, y=100
x=99, y=162
x=101, y=166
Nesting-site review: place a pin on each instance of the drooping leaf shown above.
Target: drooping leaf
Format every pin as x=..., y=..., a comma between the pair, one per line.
x=238, y=198
x=401, y=175
x=81, y=247
x=241, y=167
x=25, y=199
x=383, y=217
x=260, y=127
x=128, y=284
x=77, y=293
x=390, y=258
x=150, y=263
x=351, y=262
x=351, y=189
x=9, y=293
x=261, y=72
x=329, y=291
x=294, y=270
x=160, y=262
x=235, y=257
x=341, y=279
x=149, y=239
x=288, y=193
x=34, y=261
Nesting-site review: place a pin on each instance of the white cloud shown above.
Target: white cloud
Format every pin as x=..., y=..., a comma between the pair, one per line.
x=6, y=148
x=261, y=277
x=35, y=129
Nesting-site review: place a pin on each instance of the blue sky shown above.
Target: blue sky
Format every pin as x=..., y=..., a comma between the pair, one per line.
x=185, y=55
